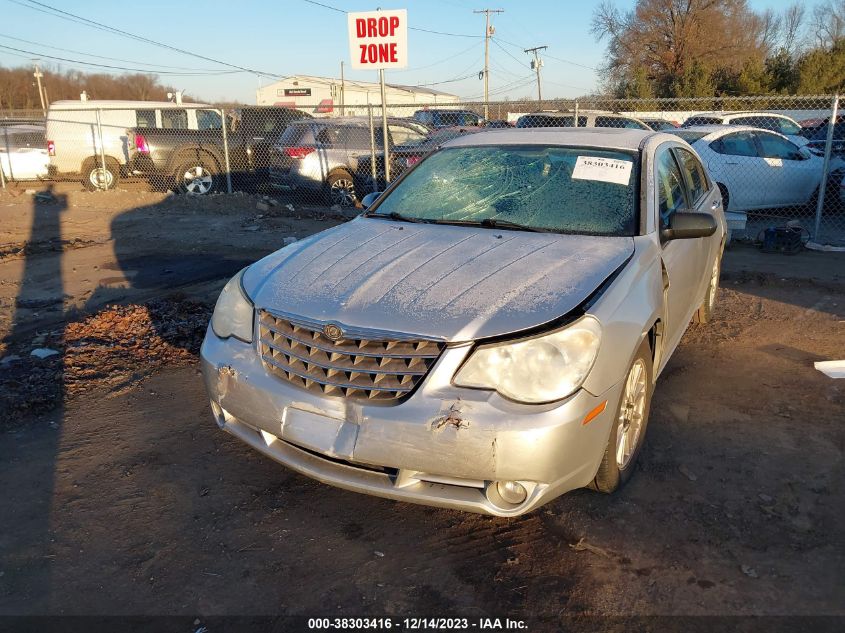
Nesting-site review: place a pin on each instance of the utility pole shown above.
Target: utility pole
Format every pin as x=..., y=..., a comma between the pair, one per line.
x=38, y=75
x=488, y=31
x=536, y=64
x=342, y=91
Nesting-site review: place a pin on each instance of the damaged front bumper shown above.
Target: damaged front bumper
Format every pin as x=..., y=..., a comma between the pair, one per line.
x=442, y=446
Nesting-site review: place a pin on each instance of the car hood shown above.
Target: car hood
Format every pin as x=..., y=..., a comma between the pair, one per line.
x=454, y=283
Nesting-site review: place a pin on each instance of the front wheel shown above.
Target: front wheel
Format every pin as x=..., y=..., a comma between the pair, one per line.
x=196, y=177
x=628, y=432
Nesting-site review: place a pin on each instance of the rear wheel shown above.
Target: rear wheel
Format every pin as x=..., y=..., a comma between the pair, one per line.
x=629, y=426
x=705, y=310
x=96, y=178
x=341, y=189
x=726, y=196
x=197, y=177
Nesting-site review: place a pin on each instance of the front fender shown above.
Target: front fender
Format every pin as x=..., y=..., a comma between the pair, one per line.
x=627, y=310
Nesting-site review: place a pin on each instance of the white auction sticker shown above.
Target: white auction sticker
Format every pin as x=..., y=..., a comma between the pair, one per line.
x=612, y=170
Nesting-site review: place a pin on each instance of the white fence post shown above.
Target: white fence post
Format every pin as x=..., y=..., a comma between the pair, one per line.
x=226, y=151
x=827, y=149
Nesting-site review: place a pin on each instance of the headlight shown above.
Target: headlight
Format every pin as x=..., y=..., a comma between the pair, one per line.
x=541, y=369
x=233, y=312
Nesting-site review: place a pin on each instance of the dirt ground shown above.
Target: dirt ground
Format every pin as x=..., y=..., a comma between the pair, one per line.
x=121, y=496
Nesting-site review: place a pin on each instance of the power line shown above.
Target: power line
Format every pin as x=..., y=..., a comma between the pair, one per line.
x=114, y=59
x=65, y=15
x=560, y=59
x=135, y=70
x=410, y=28
x=448, y=81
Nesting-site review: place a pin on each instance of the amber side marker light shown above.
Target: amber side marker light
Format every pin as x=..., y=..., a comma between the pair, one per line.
x=594, y=413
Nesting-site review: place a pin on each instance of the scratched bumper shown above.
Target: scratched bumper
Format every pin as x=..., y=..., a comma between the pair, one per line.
x=441, y=447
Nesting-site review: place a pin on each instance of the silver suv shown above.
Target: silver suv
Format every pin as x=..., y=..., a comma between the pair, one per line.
x=321, y=156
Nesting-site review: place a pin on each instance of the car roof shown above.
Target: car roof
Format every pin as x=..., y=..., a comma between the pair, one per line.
x=713, y=132
x=603, y=138
x=727, y=115
x=116, y=104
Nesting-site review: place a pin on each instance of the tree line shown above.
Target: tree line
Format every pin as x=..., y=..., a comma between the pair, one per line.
x=19, y=91
x=705, y=48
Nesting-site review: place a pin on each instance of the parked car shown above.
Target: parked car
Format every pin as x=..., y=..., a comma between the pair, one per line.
x=404, y=155
x=486, y=336
x=498, y=123
x=756, y=169
x=816, y=137
x=659, y=125
x=586, y=118
x=194, y=161
x=443, y=117
x=73, y=134
x=322, y=156
x=23, y=152
x=779, y=123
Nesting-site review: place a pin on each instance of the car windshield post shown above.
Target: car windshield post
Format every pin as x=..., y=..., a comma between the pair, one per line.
x=535, y=188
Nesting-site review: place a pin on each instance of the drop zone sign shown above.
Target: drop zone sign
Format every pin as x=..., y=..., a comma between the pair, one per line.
x=378, y=39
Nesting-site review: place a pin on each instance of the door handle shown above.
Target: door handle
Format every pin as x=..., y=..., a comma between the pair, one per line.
x=728, y=162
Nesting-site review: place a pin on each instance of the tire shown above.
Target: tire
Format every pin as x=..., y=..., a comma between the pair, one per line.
x=96, y=179
x=198, y=176
x=726, y=196
x=705, y=310
x=340, y=189
x=620, y=459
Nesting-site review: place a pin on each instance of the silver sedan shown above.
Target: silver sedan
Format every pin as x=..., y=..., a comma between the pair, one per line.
x=487, y=335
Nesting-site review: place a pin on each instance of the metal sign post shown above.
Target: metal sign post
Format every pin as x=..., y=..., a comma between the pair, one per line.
x=372, y=147
x=384, y=128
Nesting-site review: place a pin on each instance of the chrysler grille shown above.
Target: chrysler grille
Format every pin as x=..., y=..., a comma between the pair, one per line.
x=373, y=365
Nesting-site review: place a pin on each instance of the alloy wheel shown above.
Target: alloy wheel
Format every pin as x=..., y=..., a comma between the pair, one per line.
x=631, y=414
x=197, y=180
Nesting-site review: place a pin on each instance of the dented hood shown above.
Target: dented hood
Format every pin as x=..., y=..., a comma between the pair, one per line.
x=455, y=283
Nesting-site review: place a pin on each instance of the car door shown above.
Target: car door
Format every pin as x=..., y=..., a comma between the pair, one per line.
x=736, y=163
x=793, y=176
x=703, y=197
x=682, y=259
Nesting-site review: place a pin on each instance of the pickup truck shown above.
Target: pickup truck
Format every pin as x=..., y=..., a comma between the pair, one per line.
x=193, y=161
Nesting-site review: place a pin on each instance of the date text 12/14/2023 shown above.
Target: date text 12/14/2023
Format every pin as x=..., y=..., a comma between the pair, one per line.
x=418, y=624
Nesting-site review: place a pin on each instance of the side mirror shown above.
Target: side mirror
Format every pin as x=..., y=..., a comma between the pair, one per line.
x=805, y=153
x=684, y=225
x=370, y=198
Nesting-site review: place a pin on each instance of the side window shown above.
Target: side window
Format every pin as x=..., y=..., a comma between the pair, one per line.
x=736, y=144
x=145, y=118
x=694, y=172
x=424, y=117
x=670, y=187
x=402, y=135
x=787, y=127
x=356, y=137
x=776, y=147
x=208, y=120
x=174, y=119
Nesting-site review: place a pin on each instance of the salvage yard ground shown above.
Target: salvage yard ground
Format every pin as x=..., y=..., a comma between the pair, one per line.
x=120, y=495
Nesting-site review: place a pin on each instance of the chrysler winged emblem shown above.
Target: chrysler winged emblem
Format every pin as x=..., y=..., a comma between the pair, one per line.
x=332, y=332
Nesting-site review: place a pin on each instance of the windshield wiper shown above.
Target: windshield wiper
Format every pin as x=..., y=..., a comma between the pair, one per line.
x=494, y=223
x=395, y=215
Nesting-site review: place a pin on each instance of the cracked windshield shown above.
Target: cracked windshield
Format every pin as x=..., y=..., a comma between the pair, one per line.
x=555, y=189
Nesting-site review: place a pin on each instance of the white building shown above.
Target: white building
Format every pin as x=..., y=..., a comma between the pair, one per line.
x=324, y=96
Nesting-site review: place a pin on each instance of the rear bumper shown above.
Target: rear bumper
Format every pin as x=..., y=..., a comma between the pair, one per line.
x=412, y=451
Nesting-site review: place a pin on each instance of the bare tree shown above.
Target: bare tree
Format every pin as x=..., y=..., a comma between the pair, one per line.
x=828, y=24
x=792, y=24
x=677, y=42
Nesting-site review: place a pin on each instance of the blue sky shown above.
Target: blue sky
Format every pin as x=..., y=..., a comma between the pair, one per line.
x=289, y=37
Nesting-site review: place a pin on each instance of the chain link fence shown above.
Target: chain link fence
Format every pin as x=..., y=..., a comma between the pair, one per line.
x=776, y=159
